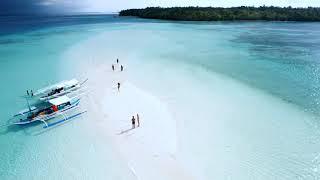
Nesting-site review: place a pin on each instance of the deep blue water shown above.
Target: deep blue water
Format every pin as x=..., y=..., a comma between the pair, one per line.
x=18, y=24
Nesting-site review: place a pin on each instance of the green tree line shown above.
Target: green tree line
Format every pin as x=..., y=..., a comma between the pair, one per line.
x=268, y=13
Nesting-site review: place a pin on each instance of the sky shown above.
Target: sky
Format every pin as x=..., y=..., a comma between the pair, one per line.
x=107, y=6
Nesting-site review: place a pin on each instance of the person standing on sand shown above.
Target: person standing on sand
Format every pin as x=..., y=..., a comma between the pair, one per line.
x=138, y=119
x=133, y=121
x=112, y=67
x=121, y=68
x=118, y=86
x=117, y=61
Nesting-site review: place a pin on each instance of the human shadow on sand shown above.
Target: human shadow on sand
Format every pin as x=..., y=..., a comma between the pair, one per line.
x=125, y=131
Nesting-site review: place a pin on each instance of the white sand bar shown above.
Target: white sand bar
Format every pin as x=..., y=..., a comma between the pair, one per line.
x=149, y=149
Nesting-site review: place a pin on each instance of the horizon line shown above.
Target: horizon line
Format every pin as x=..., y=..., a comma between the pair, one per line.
x=118, y=11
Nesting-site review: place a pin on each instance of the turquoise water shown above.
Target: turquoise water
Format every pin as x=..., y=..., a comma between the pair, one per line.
x=30, y=60
x=245, y=96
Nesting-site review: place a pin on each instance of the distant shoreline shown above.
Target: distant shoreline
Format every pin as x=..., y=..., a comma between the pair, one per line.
x=262, y=13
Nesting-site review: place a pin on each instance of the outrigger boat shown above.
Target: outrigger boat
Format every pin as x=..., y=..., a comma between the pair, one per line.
x=48, y=110
x=58, y=89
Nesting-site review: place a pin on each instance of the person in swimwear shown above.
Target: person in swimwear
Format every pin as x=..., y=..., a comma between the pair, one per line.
x=118, y=86
x=138, y=120
x=133, y=121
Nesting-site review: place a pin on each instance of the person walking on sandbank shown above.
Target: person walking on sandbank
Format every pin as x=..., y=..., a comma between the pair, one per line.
x=138, y=120
x=117, y=61
x=112, y=67
x=133, y=122
x=121, y=68
x=119, y=87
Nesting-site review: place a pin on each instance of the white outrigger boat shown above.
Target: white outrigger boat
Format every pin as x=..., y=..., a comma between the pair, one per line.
x=57, y=90
x=48, y=110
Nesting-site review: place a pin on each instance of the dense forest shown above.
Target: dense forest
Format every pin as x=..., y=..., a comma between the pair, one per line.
x=220, y=14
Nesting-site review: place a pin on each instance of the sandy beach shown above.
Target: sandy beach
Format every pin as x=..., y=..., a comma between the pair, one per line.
x=149, y=150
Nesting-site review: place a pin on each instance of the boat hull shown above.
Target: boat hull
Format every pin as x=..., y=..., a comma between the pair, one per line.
x=44, y=118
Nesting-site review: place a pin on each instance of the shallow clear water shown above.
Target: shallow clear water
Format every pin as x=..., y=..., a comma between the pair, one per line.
x=30, y=60
x=245, y=95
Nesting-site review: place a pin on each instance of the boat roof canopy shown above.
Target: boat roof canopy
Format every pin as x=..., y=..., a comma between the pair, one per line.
x=59, y=100
x=67, y=83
